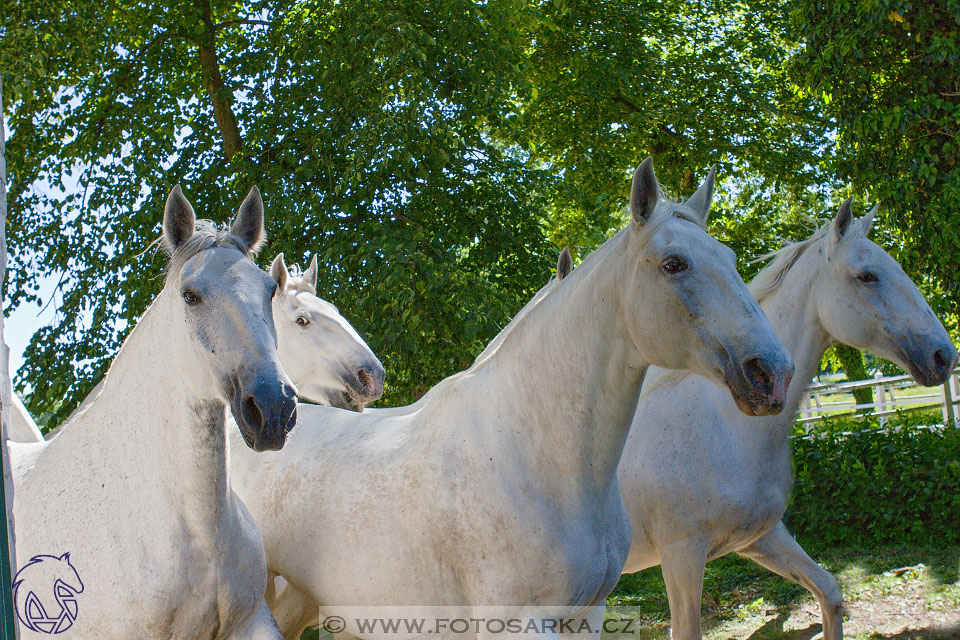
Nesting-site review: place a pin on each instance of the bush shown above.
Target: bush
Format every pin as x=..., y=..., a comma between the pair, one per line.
x=858, y=484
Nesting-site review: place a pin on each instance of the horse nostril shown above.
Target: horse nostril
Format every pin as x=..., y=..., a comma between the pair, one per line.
x=939, y=359
x=251, y=413
x=757, y=374
x=365, y=379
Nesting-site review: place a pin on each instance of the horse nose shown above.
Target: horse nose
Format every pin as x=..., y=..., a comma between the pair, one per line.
x=371, y=382
x=270, y=413
x=768, y=378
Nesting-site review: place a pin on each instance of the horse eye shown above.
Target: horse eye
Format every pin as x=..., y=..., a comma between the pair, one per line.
x=191, y=297
x=867, y=278
x=674, y=264
x=303, y=321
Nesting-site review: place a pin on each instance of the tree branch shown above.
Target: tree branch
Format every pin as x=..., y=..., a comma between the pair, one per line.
x=230, y=23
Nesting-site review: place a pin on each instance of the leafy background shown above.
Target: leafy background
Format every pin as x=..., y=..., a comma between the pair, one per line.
x=437, y=154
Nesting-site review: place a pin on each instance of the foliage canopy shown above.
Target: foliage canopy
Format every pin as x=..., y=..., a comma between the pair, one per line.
x=436, y=154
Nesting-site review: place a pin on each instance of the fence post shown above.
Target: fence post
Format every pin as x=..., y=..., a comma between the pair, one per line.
x=947, y=395
x=954, y=383
x=881, y=397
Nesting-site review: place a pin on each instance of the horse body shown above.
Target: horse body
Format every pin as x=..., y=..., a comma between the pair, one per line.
x=137, y=489
x=701, y=480
x=498, y=487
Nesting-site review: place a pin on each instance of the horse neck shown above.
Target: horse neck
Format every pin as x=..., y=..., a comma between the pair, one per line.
x=154, y=424
x=568, y=378
x=792, y=312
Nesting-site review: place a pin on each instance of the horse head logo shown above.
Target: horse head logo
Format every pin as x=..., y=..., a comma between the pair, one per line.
x=45, y=594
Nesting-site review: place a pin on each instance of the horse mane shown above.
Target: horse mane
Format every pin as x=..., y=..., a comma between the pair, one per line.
x=664, y=210
x=771, y=277
x=206, y=234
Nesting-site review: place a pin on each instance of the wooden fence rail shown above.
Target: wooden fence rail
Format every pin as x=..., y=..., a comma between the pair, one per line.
x=891, y=394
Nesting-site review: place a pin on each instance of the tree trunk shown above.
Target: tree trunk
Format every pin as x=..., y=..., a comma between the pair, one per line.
x=219, y=94
x=8, y=563
x=853, y=366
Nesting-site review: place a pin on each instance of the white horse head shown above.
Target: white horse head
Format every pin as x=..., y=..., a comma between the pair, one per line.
x=704, y=318
x=224, y=314
x=864, y=299
x=323, y=354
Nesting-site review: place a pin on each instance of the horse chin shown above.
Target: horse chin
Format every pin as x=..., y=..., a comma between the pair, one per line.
x=924, y=376
x=351, y=402
x=744, y=406
x=248, y=438
x=339, y=398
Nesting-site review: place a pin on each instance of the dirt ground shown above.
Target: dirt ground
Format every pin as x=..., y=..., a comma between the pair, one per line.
x=888, y=593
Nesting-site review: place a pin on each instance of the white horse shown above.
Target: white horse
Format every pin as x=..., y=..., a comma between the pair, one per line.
x=498, y=487
x=293, y=610
x=137, y=489
x=321, y=352
x=700, y=479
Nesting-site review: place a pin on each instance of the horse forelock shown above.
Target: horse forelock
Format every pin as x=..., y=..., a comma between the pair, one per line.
x=667, y=208
x=206, y=235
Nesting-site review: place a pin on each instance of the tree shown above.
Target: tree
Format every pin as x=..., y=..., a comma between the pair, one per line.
x=693, y=84
x=363, y=124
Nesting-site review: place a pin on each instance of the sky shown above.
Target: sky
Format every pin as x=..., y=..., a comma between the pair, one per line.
x=20, y=325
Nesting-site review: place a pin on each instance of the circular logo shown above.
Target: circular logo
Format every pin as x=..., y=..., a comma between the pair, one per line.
x=333, y=624
x=45, y=594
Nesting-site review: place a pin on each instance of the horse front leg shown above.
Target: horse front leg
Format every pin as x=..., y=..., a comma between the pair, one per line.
x=294, y=611
x=683, y=564
x=260, y=626
x=587, y=626
x=777, y=551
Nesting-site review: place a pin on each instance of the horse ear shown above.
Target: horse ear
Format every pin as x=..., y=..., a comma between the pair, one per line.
x=310, y=275
x=841, y=224
x=66, y=556
x=866, y=222
x=700, y=201
x=248, y=225
x=644, y=192
x=278, y=271
x=564, y=264
x=178, y=220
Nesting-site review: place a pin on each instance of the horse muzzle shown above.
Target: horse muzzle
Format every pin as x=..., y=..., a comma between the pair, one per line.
x=932, y=363
x=759, y=384
x=265, y=413
x=366, y=385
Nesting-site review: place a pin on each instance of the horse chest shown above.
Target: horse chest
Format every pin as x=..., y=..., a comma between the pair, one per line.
x=743, y=512
x=212, y=578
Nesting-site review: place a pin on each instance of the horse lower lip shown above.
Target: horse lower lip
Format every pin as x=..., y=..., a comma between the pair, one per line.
x=358, y=396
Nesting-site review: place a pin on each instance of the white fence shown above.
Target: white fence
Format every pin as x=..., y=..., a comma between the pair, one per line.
x=891, y=394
